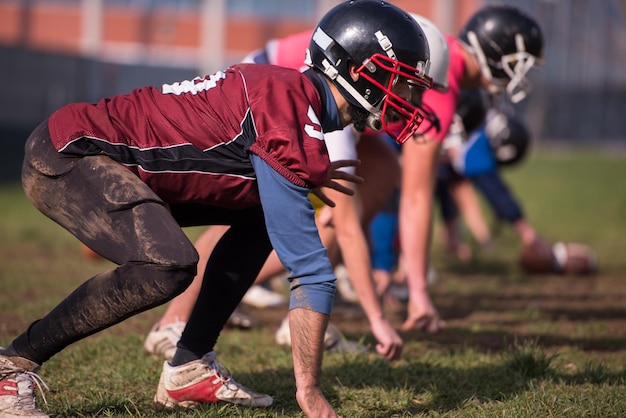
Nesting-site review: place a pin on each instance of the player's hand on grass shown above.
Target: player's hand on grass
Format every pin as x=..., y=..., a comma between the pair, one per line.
x=390, y=344
x=336, y=174
x=423, y=316
x=314, y=404
x=382, y=281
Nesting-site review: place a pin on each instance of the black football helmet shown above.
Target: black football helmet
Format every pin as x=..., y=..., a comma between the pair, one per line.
x=507, y=43
x=508, y=136
x=385, y=44
x=472, y=108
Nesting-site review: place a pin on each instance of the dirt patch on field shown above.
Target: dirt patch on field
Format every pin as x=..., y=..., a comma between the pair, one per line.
x=489, y=313
x=484, y=311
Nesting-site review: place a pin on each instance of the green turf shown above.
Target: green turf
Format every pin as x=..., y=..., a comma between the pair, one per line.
x=515, y=345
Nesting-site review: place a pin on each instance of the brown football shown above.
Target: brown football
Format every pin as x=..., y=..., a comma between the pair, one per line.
x=538, y=258
x=575, y=259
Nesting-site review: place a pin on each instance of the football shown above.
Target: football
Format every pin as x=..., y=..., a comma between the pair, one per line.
x=538, y=258
x=574, y=258
x=567, y=258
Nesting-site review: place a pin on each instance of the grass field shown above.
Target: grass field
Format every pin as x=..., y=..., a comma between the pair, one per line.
x=514, y=346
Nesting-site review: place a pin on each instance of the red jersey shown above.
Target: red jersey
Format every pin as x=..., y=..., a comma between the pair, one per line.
x=189, y=141
x=289, y=51
x=444, y=104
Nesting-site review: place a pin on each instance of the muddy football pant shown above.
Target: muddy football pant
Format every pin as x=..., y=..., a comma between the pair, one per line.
x=114, y=213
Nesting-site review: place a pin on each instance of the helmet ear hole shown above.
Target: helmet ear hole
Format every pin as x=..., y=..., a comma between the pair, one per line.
x=352, y=69
x=374, y=122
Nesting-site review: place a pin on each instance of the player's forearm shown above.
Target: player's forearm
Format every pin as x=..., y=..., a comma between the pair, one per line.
x=307, y=336
x=525, y=230
x=415, y=227
x=415, y=217
x=355, y=252
x=357, y=261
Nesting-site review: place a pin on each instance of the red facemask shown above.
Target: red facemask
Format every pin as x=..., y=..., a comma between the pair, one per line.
x=409, y=115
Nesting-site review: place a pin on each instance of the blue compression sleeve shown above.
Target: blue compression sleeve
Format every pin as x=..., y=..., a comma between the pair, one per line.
x=290, y=220
x=383, y=234
x=499, y=196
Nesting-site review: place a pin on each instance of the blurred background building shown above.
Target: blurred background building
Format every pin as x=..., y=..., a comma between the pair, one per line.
x=53, y=52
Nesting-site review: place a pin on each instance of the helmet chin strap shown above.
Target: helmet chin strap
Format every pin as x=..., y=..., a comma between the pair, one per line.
x=374, y=119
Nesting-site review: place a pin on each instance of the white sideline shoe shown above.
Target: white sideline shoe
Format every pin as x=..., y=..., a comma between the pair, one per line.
x=344, y=285
x=17, y=388
x=334, y=340
x=241, y=320
x=432, y=277
x=161, y=341
x=203, y=381
x=260, y=297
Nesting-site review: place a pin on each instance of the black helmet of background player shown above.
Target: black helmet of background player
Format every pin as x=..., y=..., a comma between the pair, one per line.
x=507, y=43
x=508, y=136
x=472, y=108
x=383, y=43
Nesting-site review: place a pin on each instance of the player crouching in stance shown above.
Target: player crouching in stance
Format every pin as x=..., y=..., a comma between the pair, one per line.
x=126, y=174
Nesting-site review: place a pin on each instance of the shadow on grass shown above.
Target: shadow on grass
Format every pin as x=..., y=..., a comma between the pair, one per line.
x=446, y=388
x=449, y=388
x=437, y=383
x=496, y=341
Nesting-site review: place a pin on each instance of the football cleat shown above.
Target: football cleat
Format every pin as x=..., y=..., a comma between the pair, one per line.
x=17, y=388
x=161, y=340
x=203, y=381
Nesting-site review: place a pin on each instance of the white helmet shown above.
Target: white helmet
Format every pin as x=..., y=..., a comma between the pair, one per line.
x=439, y=53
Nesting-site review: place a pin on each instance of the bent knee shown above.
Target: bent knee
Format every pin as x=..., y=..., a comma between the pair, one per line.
x=177, y=277
x=161, y=283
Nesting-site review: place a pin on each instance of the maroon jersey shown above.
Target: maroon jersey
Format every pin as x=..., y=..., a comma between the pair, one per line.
x=190, y=141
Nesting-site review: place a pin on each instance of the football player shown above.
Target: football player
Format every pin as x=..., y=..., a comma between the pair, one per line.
x=124, y=175
x=340, y=227
x=495, y=50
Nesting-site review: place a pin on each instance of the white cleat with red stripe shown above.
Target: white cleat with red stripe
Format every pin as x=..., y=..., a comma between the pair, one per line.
x=17, y=388
x=203, y=381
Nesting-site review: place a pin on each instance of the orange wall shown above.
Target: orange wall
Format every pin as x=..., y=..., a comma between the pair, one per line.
x=57, y=27
x=249, y=34
x=9, y=23
x=423, y=7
